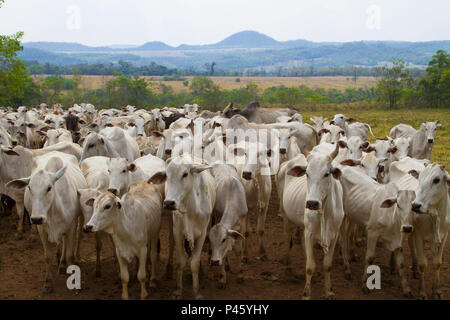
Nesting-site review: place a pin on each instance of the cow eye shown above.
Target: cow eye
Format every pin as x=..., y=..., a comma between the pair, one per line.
x=224, y=240
x=436, y=180
x=107, y=207
x=362, y=166
x=124, y=171
x=91, y=146
x=185, y=175
x=327, y=175
x=49, y=188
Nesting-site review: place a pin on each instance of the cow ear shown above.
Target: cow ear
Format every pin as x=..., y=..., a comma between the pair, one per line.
x=81, y=141
x=234, y=234
x=58, y=174
x=392, y=150
x=90, y=202
x=18, y=184
x=342, y=144
x=156, y=134
x=132, y=167
x=118, y=203
x=336, y=173
x=369, y=148
x=414, y=173
x=30, y=125
x=350, y=120
x=158, y=178
x=101, y=141
x=322, y=131
x=10, y=152
x=197, y=168
x=297, y=171
x=365, y=145
x=269, y=153
x=388, y=203
x=351, y=162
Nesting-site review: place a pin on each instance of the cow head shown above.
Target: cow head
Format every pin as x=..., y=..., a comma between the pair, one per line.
x=119, y=175
x=402, y=209
x=430, y=130
x=105, y=209
x=433, y=186
x=221, y=240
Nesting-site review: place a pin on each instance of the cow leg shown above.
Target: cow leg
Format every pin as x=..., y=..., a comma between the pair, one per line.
x=327, y=262
x=412, y=249
x=98, y=249
x=141, y=275
x=238, y=252
x=289, y=242
x=246, y=238
x=310, y=263
x=392, y=263
x=437, y=250
x=181, y=263
x=422, y=264
x=154, y=259
x=195, y=265
x=169, y=267
x=400, y=264
x=223, y=276
x=69, y=245
x=345, y=242
x=49, y=252
x=20, y=212
x=260, y=229
x=124, y=275
x=62, y=260
x=372, y=240
x=78, y=238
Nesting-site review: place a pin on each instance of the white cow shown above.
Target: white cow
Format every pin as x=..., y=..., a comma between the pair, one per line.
x=190, y=194
x=51, y=198
x=134, y=223
x=354, y=129
x=422, y=140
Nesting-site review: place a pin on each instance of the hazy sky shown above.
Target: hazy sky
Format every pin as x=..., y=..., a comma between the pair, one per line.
x=103, y=22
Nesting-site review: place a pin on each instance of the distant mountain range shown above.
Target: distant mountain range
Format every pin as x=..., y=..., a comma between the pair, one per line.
x=242, y=50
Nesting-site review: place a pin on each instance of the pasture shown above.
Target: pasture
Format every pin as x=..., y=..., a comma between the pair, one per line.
x=340, y=82
x=22, y=264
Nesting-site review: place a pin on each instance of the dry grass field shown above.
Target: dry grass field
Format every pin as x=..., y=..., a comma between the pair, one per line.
x=340, y=83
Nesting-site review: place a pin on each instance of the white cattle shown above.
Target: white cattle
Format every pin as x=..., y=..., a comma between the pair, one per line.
x=354, y=129
x=230, y=213
x=56, y=135
x=432, y=204
x=134, y=223
x=252, y=165
x=384, y=212
x=312, y=199
x=422, y=140
x=374, y=167
x=52, y=201
x=190, y=194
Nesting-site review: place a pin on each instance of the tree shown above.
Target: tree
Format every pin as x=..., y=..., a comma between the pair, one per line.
x=205, y=92
x=14, y=80
x=389, y=88
x=434, y=86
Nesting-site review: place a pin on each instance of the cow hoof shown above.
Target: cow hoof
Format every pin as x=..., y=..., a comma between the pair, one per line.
x=365, y=290
x=222, y=286
x=356, y=258
x=306, y=297
x=262, y=258
x=332, y=296
x=423, y=297
x=62, y=269
x=437, y=296
x=317, y=246
x=199, y=297
x=48, y=289
x=152, y=284
x=348, y=276
x=408, y=295
x=416, y=275
x=176, y=295
x=380, y=244
x=360, y=243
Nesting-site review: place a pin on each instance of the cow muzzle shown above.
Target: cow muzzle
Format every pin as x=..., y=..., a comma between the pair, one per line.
x=169, y=205
x=407, y=229
x=114, y=191
x=88, y=228
x=312, y=205
x=247, y=175
x=283, y=150
x=37, y=221
x=430, y=140
x=215, y=263
x=168, y=152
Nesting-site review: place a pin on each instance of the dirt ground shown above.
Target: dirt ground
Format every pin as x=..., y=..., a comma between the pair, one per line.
x=22, y=271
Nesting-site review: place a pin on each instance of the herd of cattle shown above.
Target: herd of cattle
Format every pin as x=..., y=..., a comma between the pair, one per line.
x=116, y=172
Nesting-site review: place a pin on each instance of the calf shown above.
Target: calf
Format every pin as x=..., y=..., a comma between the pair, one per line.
x=134, y=223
